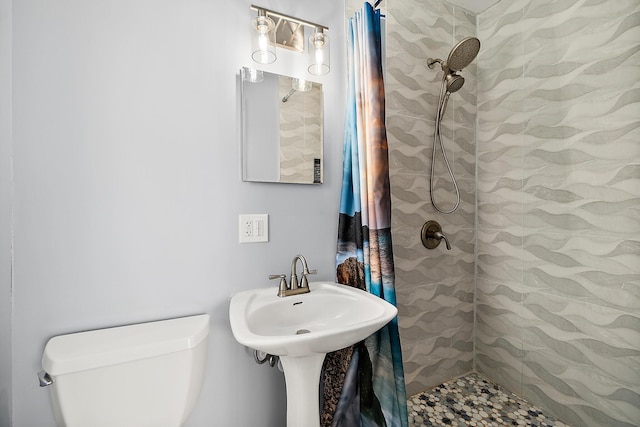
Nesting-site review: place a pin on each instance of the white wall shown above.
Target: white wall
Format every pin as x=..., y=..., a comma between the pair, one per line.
x=127, y=184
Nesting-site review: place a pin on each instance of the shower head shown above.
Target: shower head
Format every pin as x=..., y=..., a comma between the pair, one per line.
x=463, y=53
x=460, y=56
x=454, y=82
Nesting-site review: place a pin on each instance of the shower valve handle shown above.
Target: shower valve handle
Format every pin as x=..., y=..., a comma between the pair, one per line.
x=432, y=235
x=438, y=235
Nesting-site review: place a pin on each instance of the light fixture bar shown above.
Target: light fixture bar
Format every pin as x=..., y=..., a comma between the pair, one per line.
x=289, y=17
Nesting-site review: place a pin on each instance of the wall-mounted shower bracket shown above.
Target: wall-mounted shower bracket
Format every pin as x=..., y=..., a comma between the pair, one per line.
x=431, y=62
x=432, y=235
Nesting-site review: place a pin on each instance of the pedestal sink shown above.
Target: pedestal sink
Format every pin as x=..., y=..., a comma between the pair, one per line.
x=301, y=329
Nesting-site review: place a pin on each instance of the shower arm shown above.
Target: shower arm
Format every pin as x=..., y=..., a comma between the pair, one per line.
x=431, y=62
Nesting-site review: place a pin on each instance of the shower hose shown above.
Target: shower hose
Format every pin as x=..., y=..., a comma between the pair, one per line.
x=437, y=141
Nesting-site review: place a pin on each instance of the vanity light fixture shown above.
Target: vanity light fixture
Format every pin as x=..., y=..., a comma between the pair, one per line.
x=266, y=35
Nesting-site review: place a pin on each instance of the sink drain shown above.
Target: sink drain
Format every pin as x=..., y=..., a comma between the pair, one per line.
x=302, y=331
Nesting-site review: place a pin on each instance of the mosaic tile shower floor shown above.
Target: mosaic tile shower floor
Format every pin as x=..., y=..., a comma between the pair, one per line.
x=473, y=400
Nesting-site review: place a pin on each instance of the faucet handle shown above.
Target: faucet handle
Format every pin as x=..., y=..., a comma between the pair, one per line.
x=282, y=289
x=304, y=283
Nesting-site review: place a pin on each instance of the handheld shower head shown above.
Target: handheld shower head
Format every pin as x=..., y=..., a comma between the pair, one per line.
x=460, y=56
x=454, y=82
x=451, y=83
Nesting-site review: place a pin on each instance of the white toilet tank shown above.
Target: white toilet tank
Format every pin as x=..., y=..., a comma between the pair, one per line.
x=144, y=375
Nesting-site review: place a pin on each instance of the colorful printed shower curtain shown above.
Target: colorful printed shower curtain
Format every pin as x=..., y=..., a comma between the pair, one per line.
x=363, y=386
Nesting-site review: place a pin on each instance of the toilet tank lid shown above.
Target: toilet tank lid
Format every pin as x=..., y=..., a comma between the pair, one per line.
x=102, y=347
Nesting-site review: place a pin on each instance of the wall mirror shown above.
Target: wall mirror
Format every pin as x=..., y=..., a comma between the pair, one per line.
x=281, y=128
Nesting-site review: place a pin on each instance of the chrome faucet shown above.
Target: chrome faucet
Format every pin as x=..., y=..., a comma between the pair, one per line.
x=294, y=287
x=304, y=283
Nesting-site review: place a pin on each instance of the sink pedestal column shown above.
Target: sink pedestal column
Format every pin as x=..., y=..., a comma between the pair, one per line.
x=302, y=376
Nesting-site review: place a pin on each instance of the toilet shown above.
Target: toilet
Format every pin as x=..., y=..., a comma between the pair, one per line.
x=143, y=375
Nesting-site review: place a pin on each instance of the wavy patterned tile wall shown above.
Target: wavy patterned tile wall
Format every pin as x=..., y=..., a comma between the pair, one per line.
x=435, y=287
x=300, y=132
x=552, y=154
x=558, y=288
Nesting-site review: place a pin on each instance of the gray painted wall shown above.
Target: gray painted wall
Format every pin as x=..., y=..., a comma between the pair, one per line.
x=127, y=185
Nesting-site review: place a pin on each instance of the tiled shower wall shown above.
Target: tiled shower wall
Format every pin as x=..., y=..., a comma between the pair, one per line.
x=558, y=196
x=558, y=285
x=300, y=132
x=434, y=287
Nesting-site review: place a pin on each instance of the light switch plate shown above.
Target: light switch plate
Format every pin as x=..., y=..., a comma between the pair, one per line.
x=253, y=228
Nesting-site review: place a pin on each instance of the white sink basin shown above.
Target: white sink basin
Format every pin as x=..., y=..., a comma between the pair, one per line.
x=301, y=329
x=330, y=317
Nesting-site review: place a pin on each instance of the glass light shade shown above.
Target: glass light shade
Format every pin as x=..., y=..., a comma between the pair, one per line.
x=301, y=85
x=263, y=39
x=252, y=75
x=319, y=63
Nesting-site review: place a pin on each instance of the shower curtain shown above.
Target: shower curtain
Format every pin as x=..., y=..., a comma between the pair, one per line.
x=364, y=385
